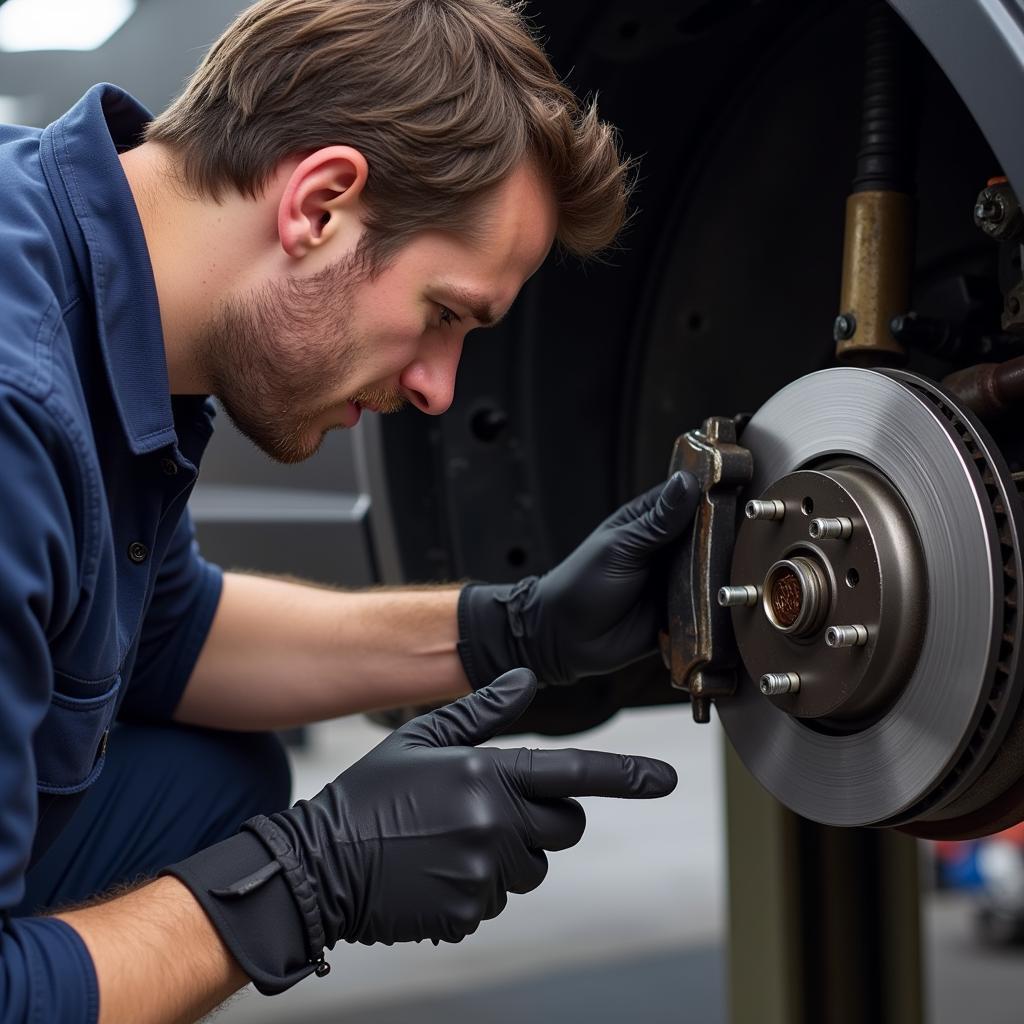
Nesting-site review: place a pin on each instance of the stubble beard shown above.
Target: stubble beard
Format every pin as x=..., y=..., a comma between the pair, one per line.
x=269, y=355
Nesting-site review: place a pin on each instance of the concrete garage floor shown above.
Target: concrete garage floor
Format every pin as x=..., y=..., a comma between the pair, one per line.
x=968, y=983
x=628, y=925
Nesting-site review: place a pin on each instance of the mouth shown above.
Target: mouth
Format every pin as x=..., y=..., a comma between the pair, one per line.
x=352, y=412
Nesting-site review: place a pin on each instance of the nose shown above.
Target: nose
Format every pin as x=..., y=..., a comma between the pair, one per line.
x=429, y=381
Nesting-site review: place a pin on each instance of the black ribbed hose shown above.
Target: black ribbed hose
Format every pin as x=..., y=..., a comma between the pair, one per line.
x=888, y=140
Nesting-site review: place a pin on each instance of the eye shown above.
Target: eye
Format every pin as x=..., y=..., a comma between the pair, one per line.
x=449, y=317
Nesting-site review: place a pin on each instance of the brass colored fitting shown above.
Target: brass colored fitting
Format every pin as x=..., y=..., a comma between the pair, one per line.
x=876, y=276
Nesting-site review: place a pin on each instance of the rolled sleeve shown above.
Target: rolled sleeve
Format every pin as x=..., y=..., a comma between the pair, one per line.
x=175, y=628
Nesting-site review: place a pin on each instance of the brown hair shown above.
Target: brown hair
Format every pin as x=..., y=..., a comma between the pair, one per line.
x=443, y=97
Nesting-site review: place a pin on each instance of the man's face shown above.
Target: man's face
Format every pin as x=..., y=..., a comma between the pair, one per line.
x=299, y=356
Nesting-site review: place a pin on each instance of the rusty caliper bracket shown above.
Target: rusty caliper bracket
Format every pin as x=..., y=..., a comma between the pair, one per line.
x=699, y=648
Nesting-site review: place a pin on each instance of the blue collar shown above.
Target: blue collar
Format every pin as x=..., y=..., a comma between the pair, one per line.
x=80, y=158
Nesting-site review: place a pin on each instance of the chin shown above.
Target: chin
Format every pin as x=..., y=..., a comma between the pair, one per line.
x=290, y=450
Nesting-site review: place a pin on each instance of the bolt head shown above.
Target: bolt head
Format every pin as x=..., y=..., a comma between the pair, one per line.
x=989, y=209
x=844, y=327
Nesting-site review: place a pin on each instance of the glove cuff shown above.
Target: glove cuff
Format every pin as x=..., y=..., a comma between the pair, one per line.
x=482, y=645
x=298, y=881
x=494, y=634
x=244, y=892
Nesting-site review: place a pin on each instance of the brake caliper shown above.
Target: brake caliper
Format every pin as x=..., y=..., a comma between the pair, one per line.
x=699, y=648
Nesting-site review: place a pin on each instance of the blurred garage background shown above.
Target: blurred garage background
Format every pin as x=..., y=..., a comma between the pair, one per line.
x=628, y=926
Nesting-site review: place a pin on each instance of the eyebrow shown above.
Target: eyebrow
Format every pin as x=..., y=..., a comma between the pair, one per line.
x=480, y=309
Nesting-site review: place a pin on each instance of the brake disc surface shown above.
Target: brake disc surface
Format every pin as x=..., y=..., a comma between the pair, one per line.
x=942, y=725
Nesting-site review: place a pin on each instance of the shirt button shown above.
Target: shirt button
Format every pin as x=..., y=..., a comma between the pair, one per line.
x=169, y=467
x=137, y=552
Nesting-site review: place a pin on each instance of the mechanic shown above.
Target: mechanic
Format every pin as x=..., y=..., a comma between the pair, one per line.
x=344, y=190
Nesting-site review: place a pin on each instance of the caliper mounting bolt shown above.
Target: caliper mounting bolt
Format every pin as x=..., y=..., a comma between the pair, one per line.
x=775, y=683
x=738, y=597
x=839, y=528
x=844, y=327
x=773, y=509
x=846, y=636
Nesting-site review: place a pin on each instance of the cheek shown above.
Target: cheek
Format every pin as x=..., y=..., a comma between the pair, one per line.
x=390, y=318
x=391, y=341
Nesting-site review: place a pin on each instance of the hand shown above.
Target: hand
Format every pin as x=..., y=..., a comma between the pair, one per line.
x=426, y=835
x=598, y=610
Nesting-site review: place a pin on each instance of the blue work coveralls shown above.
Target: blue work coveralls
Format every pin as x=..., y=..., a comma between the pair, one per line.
x=105, y=601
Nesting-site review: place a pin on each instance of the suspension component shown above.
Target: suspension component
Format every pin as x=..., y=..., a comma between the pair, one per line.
x=989, y=389
x=879, y=238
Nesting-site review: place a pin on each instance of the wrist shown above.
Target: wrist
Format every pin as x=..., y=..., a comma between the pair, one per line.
x=155, y=955
x=497, y=631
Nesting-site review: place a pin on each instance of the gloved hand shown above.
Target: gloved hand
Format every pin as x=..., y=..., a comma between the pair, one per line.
x=598, y=610
x=421, y=839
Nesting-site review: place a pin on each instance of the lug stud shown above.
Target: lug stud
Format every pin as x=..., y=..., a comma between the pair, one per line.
x=738, y=597
x=775, y=683
x=773, y=509
x=846, y=636
x=839, y=528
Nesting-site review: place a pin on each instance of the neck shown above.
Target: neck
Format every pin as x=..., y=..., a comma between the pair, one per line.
x=198, y=251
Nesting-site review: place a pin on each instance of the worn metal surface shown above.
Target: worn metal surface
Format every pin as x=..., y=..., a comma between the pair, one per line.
x=700, y=649
x=997, y=212
x=877, y=256
x=989, y=390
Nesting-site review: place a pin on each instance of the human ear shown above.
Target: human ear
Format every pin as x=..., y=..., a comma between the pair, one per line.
x=321, y=201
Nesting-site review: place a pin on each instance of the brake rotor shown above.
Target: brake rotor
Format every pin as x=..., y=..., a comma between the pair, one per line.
x=883, y=682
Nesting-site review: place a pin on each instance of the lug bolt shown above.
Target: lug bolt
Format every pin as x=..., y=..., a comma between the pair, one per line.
x=772, y=509
x=828, y=529
x=738, y=597
x=846, y=636
x=775, y=683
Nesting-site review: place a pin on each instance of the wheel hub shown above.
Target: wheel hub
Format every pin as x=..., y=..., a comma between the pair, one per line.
x=859, y=583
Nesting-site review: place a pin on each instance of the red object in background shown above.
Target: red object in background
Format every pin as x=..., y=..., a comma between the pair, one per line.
x=948, y=850
x=957, y=865
x=1013, y=835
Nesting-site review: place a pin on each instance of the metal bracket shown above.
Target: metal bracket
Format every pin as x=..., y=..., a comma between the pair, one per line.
x=699, y=648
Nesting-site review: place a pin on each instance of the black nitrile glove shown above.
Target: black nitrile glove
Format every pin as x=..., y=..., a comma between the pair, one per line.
x=421, y=839
x=595, y=612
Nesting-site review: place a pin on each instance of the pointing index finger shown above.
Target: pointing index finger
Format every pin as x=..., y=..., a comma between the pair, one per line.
x=570, y=772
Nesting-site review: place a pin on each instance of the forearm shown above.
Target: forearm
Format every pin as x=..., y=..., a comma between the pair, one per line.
x=282, y=653
x=157, y=958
